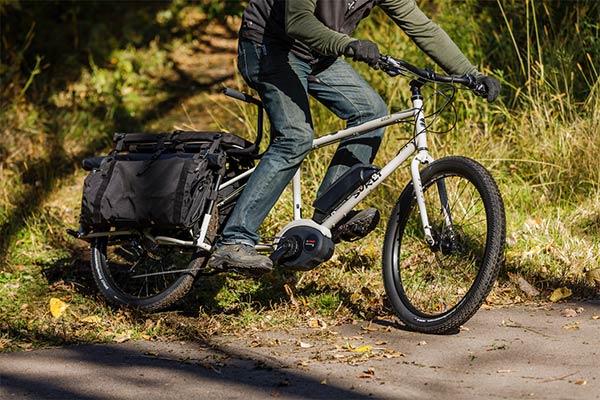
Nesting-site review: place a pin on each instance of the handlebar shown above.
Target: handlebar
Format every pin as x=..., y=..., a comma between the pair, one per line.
x=394, y=67
x=251, y=151
x=241, y=96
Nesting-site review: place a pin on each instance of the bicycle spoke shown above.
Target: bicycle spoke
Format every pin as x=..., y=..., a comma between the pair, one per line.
x=128, y=259
x=439, y=276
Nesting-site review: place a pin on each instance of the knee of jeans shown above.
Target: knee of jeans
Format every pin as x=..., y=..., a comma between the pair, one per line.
x=303, y=146
x=378, y=108
x=295, y=147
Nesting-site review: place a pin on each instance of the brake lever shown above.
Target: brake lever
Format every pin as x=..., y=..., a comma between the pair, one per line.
x=386, y=65
x=391, y=72
x=480, y=90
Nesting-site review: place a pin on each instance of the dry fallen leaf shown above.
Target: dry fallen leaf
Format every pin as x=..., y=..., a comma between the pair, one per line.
x=123, y=337
x=369, y=373
x=26, y=346
x=1, y=345
x=305, y=345
x=290, y=293
x=317, y=323
x=572, y=326
x=593, y=276
x=362, y=349
x=392, y=354
x=568, y=312
x=369, y=328
x=313, y=323
x=560, y=293
x=92, y=319
x=595, y=316
x=581, y=382
x=57, y=307
x=525, y=286
x=324, y=381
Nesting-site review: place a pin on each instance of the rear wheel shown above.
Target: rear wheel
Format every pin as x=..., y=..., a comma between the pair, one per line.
x=134, y=271
x=435, y=288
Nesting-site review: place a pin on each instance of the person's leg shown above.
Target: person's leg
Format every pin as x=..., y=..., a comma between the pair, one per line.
x=341, y=89
x=281, y=81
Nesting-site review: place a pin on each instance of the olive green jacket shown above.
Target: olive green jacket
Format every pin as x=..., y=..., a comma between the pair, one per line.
x=319, y=29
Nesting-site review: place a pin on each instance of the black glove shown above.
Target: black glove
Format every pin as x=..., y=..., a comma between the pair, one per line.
x=363, y=50
x=491, y=88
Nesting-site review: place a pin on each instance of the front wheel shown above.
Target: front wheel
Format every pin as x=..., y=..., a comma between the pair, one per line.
x=436, y=287
x=132, y=270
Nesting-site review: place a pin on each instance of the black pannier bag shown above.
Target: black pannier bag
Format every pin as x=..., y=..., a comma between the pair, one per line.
x=156, y=180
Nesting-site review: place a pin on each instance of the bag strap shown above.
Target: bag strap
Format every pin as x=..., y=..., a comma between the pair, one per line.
x=96, y=203
x=160, y=145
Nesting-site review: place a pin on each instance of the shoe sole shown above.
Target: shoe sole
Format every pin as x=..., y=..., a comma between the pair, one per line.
x=358, y=228
x=225, y=264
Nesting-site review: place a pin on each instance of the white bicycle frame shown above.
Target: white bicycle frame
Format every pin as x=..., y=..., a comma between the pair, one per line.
x=418, y=144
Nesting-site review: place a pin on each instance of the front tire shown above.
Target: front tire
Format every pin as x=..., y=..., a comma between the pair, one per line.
x=437, y=288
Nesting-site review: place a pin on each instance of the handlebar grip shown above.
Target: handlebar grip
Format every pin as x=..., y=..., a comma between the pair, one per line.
x=241, y=96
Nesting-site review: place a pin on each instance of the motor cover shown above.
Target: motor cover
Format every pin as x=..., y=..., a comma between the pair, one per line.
x=302, y=248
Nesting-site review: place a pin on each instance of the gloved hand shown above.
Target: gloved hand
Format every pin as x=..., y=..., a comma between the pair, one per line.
x=492, y=87
x=363, y=50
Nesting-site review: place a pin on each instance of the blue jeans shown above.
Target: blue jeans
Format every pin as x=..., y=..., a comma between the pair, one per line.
x=281, y=80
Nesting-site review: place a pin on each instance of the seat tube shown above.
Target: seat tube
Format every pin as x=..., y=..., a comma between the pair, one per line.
x=297, y=195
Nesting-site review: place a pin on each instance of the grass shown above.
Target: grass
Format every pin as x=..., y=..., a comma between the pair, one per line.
x=540, y=142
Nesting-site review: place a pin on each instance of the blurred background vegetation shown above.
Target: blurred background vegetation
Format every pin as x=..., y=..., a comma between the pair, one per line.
x=74, y=72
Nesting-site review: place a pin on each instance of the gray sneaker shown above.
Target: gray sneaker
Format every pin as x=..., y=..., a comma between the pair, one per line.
x=355, y=225
x=240, y=258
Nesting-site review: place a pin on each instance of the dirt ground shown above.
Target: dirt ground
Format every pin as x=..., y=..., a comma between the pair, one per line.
x=549, y=351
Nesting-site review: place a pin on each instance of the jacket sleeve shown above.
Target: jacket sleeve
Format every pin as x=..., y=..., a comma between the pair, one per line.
x=428, y=36
x=302, y=24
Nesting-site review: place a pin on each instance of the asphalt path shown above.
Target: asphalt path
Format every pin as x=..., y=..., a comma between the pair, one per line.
x=516, y=352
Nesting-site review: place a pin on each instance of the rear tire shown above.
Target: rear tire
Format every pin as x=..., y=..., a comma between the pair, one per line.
x=436, y=289
x=118, y=263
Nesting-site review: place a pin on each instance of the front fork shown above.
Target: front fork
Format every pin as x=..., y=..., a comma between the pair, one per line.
x=422, y=158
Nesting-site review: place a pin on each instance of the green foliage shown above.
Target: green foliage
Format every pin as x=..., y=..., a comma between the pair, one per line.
x=546, y=45
x=221, y=9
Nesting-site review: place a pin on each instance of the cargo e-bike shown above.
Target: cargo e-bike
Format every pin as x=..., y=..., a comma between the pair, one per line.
x=444, y=242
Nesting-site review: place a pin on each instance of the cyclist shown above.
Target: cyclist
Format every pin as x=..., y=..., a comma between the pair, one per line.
x=291, y=48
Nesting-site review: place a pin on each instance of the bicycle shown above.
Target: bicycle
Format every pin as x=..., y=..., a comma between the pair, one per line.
x=443, y=247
